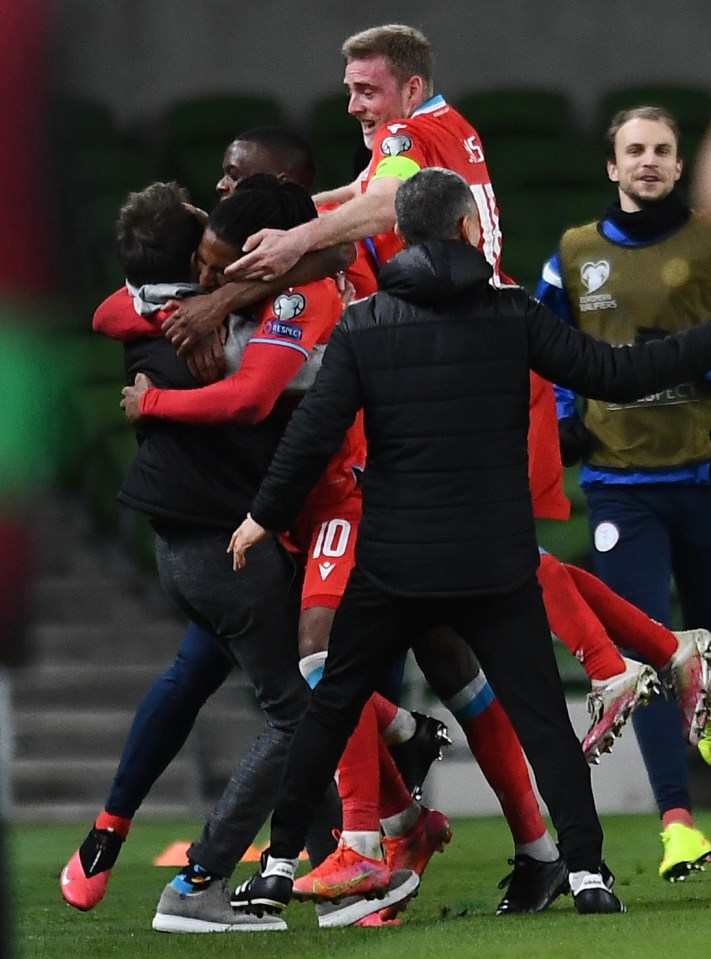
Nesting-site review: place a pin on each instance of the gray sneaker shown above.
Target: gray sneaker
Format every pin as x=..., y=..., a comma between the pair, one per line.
x=332, y=915
x=208, y=911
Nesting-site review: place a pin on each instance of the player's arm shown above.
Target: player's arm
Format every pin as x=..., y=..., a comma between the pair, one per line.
x=573, y=437
x=701, y=183
x=248, y=396
x=338, y=196
x=200, y=315
x=270, y=361
x=116, y=318
x=552, y=293
x=269, y=253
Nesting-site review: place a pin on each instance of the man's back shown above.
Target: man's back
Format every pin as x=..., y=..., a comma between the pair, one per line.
x=439, y=361
x=442, y=375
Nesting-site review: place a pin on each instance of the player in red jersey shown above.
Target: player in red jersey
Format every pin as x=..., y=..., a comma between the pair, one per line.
x=389, y=79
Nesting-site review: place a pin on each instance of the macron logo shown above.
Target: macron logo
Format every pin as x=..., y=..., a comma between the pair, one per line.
x=325, y=569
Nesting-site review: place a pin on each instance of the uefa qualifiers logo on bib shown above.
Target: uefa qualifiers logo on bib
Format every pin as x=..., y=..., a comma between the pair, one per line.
x=594, y=277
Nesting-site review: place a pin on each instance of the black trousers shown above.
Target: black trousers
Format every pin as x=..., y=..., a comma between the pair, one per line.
x=511, y=638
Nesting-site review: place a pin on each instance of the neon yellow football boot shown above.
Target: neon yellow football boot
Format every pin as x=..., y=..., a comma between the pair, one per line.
x=685, y=850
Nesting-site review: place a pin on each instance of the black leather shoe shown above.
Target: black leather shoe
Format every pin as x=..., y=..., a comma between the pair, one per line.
x=266, y=892
x=415, y=757
x=532, y=885
x=594, y=896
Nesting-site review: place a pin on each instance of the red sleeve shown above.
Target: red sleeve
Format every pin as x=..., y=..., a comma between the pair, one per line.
x=290, y=326
x=545, y=470
x=117, y=318
x=247, y=396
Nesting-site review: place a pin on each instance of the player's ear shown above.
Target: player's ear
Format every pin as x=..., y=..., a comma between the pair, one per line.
x=398, y=233
x=469, y=230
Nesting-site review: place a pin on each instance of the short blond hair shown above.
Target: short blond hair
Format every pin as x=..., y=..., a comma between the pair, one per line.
x=406, y=49
x=656, y=114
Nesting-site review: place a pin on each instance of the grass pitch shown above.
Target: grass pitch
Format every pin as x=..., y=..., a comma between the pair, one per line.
x=453, y=916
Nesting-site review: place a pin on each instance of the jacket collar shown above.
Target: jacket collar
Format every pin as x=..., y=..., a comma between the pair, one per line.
x=426, y=272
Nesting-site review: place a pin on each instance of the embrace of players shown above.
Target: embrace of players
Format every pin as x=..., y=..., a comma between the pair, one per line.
x=225, y=320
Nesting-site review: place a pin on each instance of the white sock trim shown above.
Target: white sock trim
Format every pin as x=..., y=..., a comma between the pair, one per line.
x=585, y=880
x=280, y=867
x=307, y=664
x=400, y=729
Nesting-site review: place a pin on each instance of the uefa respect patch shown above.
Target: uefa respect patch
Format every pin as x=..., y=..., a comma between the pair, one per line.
x=288, y=330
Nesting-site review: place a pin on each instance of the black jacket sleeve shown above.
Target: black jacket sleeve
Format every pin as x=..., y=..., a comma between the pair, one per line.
x=314, y=434
x=596, y=369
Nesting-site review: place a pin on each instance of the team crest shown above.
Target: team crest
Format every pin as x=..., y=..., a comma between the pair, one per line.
x=394, y=146
x=594, y=275
x=288, y=306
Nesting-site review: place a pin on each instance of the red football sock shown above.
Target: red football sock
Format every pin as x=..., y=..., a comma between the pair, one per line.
x=394, y=794
x=358, y=776
x=677, y=815
x=119, y=824
x=385, y=711
x=496, y=748
x=626, y=624
x=575, y=623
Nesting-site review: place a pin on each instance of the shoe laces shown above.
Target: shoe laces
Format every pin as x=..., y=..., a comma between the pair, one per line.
x=517, y=864
x=596, y=706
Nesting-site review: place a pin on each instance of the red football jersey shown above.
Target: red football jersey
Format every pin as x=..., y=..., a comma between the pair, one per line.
x=436, y=135
x=290, y=325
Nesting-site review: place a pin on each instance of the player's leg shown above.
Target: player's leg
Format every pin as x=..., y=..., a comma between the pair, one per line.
x=618, y=684
x=366, y=637
x=329, y=560
x=511, y=638
x=256, y=619
x=447, y=661
x=632, y=554
x=162, y=722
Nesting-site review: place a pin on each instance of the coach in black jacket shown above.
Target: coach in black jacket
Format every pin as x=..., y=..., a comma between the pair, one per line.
x=439, y=360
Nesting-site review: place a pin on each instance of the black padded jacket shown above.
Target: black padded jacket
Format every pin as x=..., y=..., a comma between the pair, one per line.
x=439, y=360
x=196, y=475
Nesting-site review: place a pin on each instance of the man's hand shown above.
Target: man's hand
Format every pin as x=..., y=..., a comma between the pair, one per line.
x=575, y=440
x=248, y=534
x=206, y=359
x=131, y=402
x=193, y=319
x=268, y=254
x=346, y=290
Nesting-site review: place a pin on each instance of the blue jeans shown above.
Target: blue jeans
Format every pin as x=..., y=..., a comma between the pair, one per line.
x=165, y=716
x=657, y=532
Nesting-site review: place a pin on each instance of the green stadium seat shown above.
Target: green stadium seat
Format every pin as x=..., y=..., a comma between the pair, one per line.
x=198, y=168
x=217, y=118
x=514, y=112
x=523, y=257
x=85, y=413
x=536, y=161
x=690, y=105
x=80, y=121
x=103, y=469
x=544, y=214
x=336, y=141
x=329, y=120
x=87, y=358
x=100, y=169
x=337, y=163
